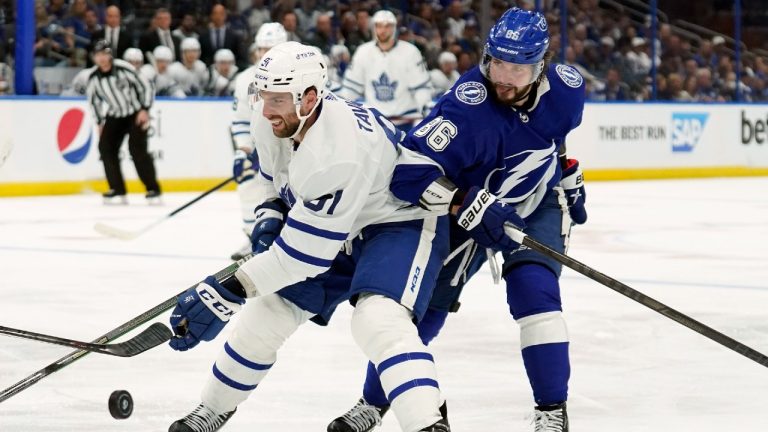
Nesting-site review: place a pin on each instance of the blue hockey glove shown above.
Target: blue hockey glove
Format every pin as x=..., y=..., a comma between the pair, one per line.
x=270, y=217
x=201, y=313
x=243, y=166
x=573, y=185
x=484, y=217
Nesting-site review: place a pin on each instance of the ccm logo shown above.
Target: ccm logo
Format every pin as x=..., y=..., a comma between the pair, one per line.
x=472, y=213
x=213, y=302
x=415, y=278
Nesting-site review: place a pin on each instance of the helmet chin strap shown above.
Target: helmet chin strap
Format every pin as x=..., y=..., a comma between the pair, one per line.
x=303, y=119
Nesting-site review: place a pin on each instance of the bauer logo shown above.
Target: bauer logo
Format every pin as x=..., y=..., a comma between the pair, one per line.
x=687, y=129
x=74, y=136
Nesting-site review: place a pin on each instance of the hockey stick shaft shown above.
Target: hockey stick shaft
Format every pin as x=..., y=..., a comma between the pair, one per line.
x=113, y=334
x=127, y=235
x=639, y=297
x=149, y=338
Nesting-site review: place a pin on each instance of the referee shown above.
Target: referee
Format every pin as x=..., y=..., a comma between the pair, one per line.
x=120, y=100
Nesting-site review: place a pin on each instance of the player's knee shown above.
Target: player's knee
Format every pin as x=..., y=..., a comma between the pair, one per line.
x=380, y=326
x=265, y=324
x=532, y=288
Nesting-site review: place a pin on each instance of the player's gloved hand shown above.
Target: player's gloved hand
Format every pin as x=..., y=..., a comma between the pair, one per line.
x=270, y=217
x=484, y=217
x=243, y=167
x=201, y=313
x=573, y=185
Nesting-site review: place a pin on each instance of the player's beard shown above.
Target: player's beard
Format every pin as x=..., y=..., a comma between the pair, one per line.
x=511, y=96
x=288, y=127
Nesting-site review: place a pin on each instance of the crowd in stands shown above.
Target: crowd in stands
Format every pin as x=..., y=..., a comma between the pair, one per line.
x=214, y=38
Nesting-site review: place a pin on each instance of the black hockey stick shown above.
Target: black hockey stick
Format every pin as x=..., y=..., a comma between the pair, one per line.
x=111, y=231
x=637, y=296
x=151, y=337
x=113, y=334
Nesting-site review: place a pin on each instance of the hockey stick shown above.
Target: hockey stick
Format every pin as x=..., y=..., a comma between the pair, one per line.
x=122, y=234
x=111, y=335
x=637, y=296
x=151, y=337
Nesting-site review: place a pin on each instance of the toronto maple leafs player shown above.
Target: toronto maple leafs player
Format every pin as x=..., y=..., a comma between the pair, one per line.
x=269, y=35
x=389, y=75
x=492, y=153
x=325, y=168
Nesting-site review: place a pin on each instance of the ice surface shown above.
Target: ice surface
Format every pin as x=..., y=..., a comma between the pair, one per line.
x=699, y=246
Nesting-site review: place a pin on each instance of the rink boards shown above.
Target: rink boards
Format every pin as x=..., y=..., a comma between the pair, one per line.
x=55, y=143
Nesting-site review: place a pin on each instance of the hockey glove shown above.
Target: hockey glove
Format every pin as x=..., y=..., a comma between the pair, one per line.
x=484, y=217
x=201, y=313
x=270, y=217
x=243, y=166
x=573, y=185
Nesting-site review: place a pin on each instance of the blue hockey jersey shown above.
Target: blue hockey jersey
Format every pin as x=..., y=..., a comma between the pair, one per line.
x=474, y=140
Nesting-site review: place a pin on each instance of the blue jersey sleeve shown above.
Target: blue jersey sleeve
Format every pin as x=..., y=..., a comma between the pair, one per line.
x=446, y=143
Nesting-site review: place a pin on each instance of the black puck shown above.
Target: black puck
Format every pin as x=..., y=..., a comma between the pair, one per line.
x=120, y=404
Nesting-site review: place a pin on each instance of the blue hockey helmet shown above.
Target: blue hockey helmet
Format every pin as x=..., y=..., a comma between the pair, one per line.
x=519, y=37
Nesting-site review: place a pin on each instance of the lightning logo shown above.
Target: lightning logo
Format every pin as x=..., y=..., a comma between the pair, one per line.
x=521, y=174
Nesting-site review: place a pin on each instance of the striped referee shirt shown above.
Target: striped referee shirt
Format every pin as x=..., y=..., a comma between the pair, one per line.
x=118, y=93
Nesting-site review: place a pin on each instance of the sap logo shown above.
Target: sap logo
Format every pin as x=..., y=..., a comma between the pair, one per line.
x=74, y=136
x=687, y=129
x=756, y=130
x=415, y=278
x=513, y=34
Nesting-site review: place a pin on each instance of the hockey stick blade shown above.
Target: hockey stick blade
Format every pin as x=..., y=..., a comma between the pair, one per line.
x=633, y=294
x=111, y=335
x=111, y=231
x=151, y=337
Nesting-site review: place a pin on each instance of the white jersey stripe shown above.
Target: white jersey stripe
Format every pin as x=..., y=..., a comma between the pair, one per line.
x=420, y=260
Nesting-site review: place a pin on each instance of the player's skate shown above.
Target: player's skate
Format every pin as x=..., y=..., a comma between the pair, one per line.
x=440, y=426
x=111, y=197
x=202, y=419
x=551, y=418
x=362, y=417
x=154, y=197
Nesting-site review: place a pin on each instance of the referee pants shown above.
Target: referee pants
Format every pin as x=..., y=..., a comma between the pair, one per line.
x=111, y=138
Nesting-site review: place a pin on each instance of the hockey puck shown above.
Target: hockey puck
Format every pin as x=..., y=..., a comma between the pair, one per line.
x=120, y=404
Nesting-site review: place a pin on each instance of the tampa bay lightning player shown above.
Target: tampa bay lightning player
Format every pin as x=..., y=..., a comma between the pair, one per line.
x=491, y=152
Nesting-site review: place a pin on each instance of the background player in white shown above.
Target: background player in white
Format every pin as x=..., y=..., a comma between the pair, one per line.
x=222, y=74
x=445, y=75
x=330, y=161
x=389, y=75
x=134, y=57
x=157, y=73
x=190, y=73
x=269, y=35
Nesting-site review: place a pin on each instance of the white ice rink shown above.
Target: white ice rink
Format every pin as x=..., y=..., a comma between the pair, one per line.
x=700, y=246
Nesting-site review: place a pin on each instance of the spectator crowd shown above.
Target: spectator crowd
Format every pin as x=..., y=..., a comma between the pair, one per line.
x=196, y=47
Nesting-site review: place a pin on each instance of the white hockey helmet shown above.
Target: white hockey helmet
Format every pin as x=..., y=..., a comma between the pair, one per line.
x=224, y=56
x=190, y=44
x=162, y=53
x=133, y=55
x=384, y=17
x=291, y=67
x=270, y=34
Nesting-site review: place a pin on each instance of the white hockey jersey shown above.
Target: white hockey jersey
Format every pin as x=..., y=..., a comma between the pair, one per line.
x=336, y=182
x=394, y=82
x=241, y=119
x=192, y=81
x=162, y=84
